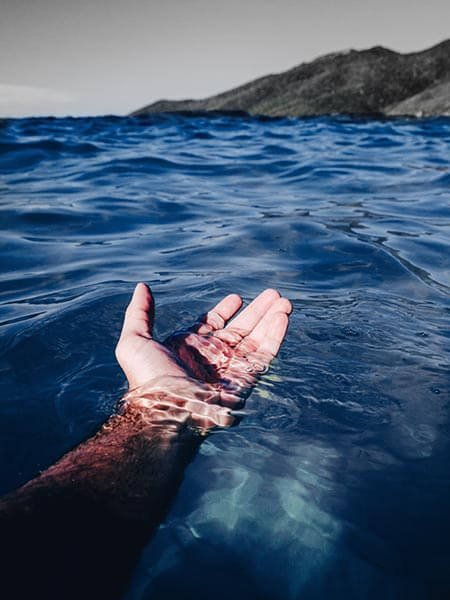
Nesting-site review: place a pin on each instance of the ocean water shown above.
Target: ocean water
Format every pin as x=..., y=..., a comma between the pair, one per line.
x=337, y=483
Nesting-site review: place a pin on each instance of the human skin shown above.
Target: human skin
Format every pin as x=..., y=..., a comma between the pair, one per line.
x=77, y=529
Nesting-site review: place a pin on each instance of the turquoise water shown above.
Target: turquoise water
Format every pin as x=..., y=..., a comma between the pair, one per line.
x=336, y=484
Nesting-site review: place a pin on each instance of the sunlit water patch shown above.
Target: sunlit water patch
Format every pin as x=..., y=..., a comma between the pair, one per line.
x=336, y=483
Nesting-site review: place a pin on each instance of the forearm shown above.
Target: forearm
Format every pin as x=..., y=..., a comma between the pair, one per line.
x=89, y=515
x=129, y=467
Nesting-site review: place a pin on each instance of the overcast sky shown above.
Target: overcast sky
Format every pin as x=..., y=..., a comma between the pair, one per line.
x=88, y=57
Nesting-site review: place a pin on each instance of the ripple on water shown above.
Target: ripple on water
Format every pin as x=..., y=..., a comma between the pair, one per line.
x=335, y=484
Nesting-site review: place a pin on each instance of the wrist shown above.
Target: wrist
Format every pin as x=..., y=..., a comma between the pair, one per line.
x=176, y=403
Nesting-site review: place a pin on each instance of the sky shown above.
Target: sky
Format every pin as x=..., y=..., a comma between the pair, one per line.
x=93, y=57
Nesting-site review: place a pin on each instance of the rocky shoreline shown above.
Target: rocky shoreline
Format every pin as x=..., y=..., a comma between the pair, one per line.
x=376, y=81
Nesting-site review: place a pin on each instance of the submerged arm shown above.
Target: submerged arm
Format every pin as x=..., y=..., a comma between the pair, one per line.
x=77, y=529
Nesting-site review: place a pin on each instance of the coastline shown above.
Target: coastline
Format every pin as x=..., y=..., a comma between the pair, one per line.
x=373, y=82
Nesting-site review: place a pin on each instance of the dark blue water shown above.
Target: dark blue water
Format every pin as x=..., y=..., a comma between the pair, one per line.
x=337, y=483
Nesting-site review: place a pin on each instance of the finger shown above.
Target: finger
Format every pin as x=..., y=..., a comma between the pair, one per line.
x=236, y=338
x=140, y=313
x=247, y=320
x=268, y=335
x=219, y=315
x=282, y=305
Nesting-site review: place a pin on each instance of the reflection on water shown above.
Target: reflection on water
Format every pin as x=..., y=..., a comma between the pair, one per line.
x=336, y=483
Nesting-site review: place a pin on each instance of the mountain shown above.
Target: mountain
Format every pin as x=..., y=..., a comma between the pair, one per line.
x=368, y=82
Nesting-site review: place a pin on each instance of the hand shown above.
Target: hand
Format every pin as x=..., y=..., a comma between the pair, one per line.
x=214, y=364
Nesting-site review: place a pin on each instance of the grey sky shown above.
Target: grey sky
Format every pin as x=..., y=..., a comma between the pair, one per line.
x=111, y=56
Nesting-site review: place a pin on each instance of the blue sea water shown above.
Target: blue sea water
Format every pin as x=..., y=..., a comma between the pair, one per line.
x=337, y=482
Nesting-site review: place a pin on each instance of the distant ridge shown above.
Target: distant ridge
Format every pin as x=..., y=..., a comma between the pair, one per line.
x=367, y=82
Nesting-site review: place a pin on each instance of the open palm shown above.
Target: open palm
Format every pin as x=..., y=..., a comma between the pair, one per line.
x=213, y=365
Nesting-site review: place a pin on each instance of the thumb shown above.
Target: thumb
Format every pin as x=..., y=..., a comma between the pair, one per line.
x=140, y=313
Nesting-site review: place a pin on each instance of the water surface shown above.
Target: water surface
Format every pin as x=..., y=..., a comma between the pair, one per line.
x=336, y=484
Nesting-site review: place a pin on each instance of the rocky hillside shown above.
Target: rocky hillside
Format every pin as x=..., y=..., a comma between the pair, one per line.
x=373, y=81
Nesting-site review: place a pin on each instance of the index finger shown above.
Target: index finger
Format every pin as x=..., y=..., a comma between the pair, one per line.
x=217, y=317
x=252, y=314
